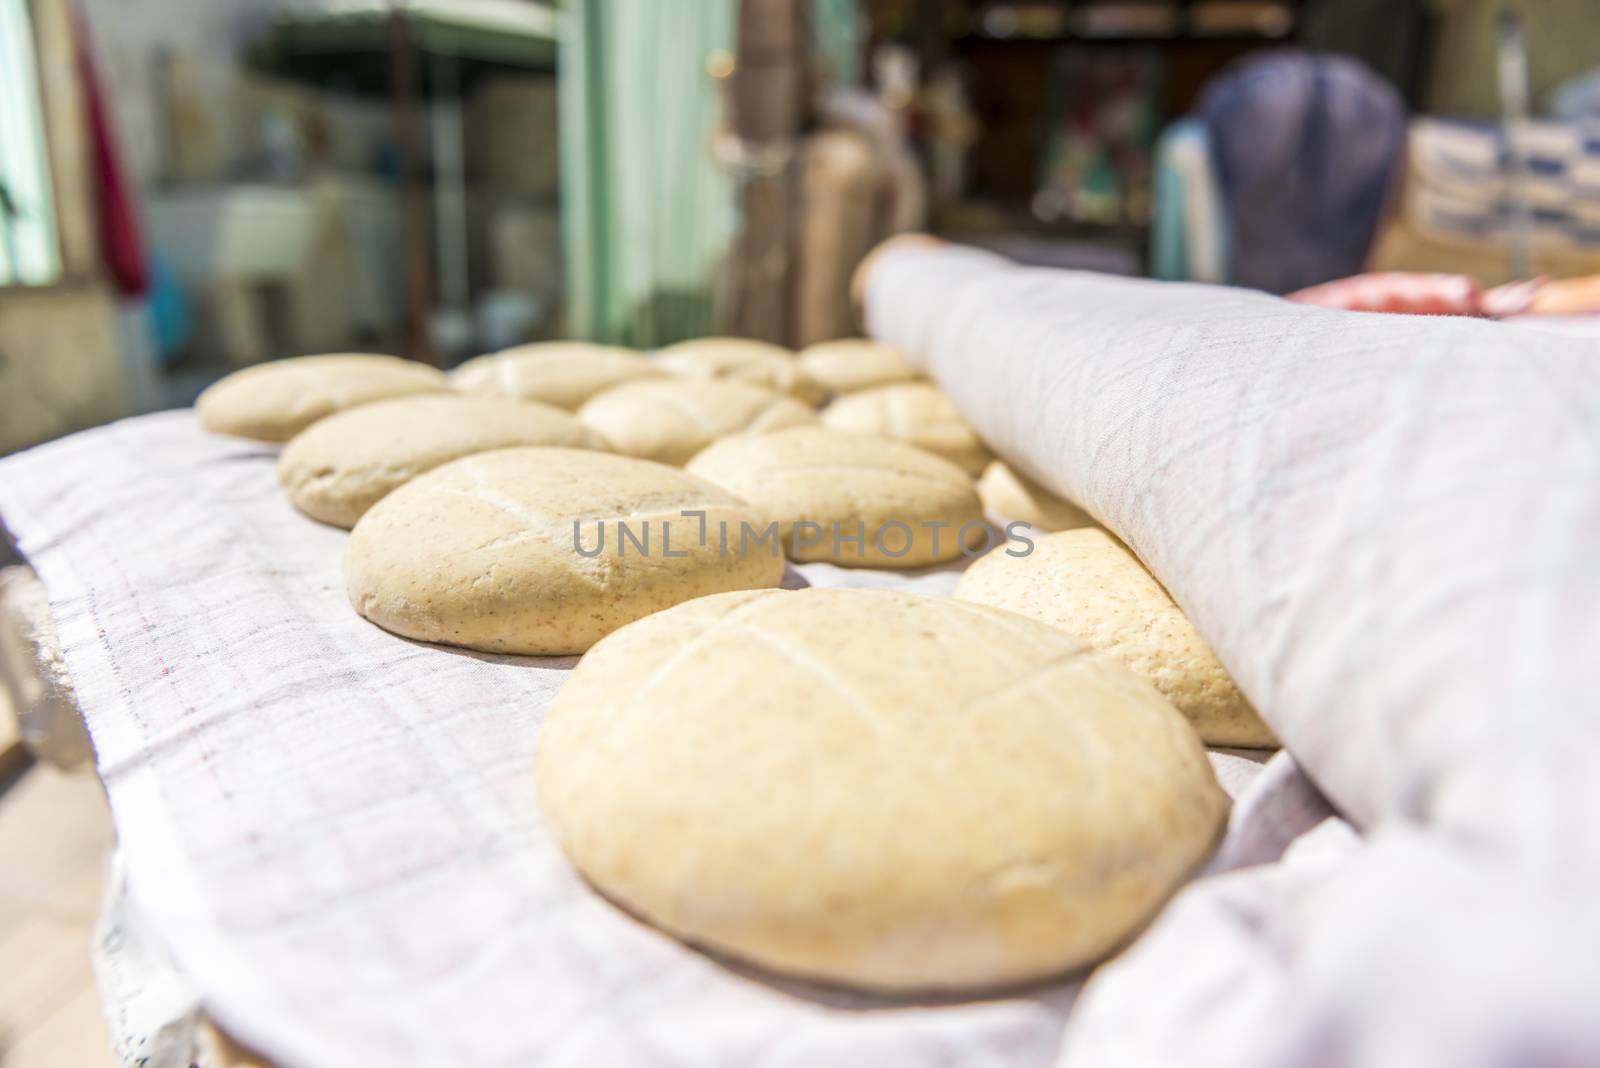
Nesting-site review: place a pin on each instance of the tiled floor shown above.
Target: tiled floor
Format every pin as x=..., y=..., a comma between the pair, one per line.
x=55, y=836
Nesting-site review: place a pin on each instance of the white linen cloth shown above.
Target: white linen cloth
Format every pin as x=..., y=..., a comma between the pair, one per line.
x=1388, y=528
x=1382, y=524
x=333, y=831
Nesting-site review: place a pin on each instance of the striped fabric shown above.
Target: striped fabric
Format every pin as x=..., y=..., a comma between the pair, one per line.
x=1457, y=188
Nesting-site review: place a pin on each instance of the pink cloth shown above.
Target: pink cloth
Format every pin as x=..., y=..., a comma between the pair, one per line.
x=1404, y=292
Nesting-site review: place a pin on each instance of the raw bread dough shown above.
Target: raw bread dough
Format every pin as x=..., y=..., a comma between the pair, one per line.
x=875, y=788
x=884, y=491
x=1091, y=586
x=562, y=373
x=850, y=364
x=337, y=468
x=917, y=413
x=670, y=421
x=740, y=360
x=482, y=552
x=275, y=401
x=1012, y=497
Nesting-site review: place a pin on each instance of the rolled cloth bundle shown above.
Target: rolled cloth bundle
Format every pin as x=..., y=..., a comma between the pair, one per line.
x=1386, y=527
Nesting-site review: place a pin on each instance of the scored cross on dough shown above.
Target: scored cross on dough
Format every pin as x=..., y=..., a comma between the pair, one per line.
x=344, y=464
x=1090, y=586
x=560, y=373
x=874, y=788
x=670, y=421
x=507, y=576
x=917, y=413
x=882, y=489
x=274, y=401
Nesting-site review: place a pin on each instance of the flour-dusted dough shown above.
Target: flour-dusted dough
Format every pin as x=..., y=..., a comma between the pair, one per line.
x=669, y=421
x=338, y=467
x=1011, y=497
x=875, y=788
x=275, y=401
x=562, y=373
x=917, y=413
x=888, y=493
x=1090, y=586
x=740, y=359
x=482, y=552
x=851, y=364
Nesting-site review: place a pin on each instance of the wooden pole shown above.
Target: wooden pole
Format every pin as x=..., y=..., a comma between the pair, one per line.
x=403, y=92
x=769, y=101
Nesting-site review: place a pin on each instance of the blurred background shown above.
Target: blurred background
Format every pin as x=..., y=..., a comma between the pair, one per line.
x=191, y=186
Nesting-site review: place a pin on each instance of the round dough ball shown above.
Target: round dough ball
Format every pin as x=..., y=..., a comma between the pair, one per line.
x=275, y=401
x=875, y=788
x=562, y=373
x=670, y=421
x=1011, y=497
x=338, y=467
x=909, y=507
x=738, y=359
x=917, y=413
x=852, y=364
x=543, y=550
x=1090, y=586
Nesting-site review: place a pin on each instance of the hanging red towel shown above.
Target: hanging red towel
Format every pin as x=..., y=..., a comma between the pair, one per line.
x=121, y=243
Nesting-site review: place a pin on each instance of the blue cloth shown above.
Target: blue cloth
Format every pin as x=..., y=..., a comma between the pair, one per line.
x=1188, y=235
x=171, y=325
x=1168, y=252
x=1304, y=148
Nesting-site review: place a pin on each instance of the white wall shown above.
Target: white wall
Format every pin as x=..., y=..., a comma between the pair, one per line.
x=128, y=35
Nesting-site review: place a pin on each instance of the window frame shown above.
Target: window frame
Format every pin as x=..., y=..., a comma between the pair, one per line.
x=32, y=256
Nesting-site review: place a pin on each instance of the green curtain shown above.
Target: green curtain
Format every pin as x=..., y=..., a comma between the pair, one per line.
x=836, y=31
x=647, y=217
x=29, y=253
